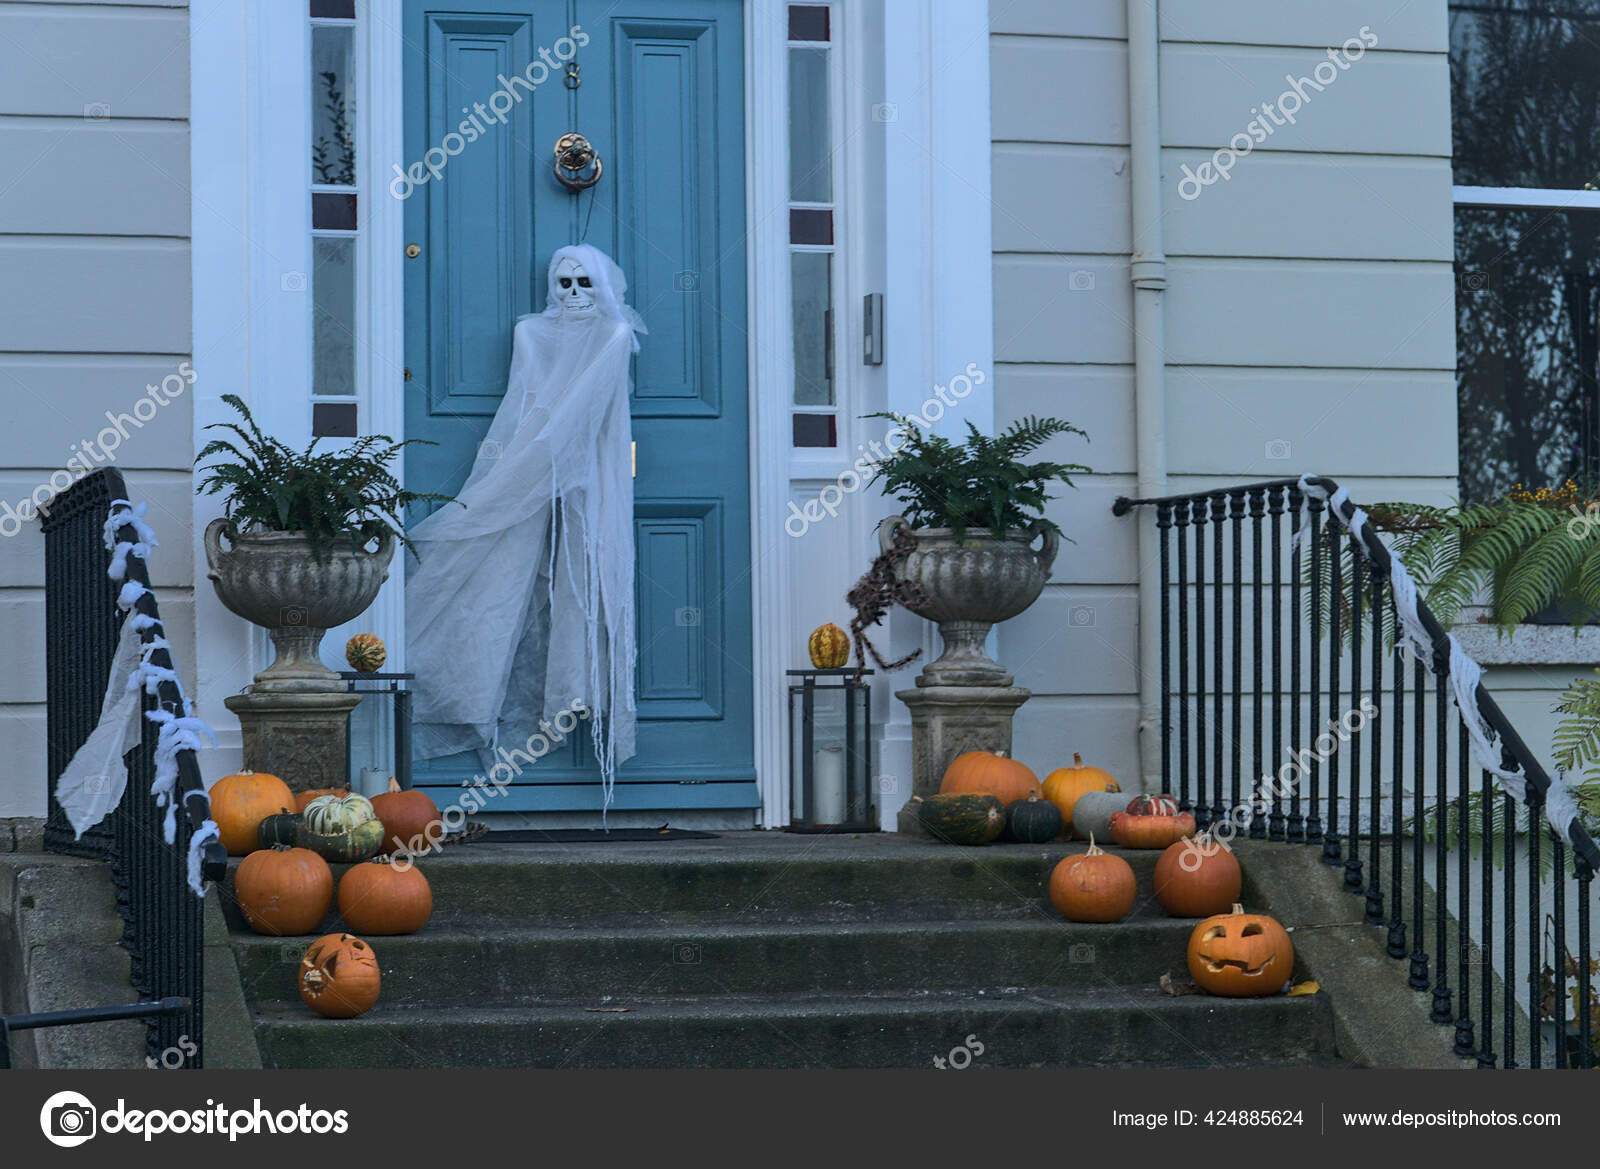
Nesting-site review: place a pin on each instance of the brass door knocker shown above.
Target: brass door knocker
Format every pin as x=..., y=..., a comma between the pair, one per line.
x=574, y=157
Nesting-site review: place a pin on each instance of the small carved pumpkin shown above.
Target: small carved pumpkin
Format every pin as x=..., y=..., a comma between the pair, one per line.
x=381, y=898
x=1197, y=878
x=828, y=647
x=1093, y=886
x=240, y=802
x=1065, y=785
x=1240, y=955
x=339, y=976
x=283, y=891
x=1033, y=820
x=990, y=773
x=410, y=822
x=365, y=653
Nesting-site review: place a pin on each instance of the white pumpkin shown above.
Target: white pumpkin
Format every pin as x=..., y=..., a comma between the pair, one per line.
x=1091, y=815
x=336, y=815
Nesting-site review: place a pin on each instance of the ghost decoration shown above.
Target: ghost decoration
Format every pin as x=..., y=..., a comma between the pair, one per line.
x=519, y=603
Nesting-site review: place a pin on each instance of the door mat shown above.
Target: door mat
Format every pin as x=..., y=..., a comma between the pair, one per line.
x=589, y=835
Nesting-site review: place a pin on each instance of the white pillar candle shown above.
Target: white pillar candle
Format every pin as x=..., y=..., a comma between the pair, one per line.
x=827, y=786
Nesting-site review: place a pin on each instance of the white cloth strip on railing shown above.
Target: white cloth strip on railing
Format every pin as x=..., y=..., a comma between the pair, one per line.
x=1560, y=808
x=94, y=781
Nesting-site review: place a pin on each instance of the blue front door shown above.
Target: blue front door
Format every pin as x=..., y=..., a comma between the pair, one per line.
x=657, y=87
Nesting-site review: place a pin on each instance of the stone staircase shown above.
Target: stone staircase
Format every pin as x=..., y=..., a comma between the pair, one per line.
x=771, y=950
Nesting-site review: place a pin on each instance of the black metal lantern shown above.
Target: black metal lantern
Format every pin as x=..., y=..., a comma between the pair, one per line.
x=373, y=686
x=830, y=752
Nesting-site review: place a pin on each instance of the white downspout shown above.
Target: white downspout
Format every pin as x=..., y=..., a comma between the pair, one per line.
x=1149, y=272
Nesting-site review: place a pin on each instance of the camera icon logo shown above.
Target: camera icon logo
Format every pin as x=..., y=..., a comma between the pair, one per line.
x=687, y=617
x=686, y=281
x=1081, y=280
x=686, y=953
x=68, y=1119
x=1278, y=448
x=292, y=282
x=489, y=449
x=884, y=111
x=96, y=111
x=1080, y=616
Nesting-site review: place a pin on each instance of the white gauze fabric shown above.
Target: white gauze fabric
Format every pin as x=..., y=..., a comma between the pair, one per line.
x=1465, y=673
x=521, y=607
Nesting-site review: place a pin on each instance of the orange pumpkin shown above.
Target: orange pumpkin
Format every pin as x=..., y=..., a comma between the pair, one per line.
x=989, y=773
x=1197, y=878
x=301, y=799
x=1240, y=955
x=240, y=802
x=365, y=652
x=283, y=891
x=383, y=899
x=411, y=822
x=1064, y=785
x=1093, y=886
x=339, y=976
x=1151, y=822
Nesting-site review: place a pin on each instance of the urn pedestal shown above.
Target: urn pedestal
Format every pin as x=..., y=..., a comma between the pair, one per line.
x=964, y=700
x=292, y=717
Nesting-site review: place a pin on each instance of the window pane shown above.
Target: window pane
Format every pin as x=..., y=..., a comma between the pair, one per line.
x=811, y=280
x=808, y=22
x=333, y=115
x=810, y=136
x=810, y=226
x=332, y=211
x=1527, y=323
x=815, y=430
x=333, y=420
x=334, y=9
x=1525, y=92
x=333, y=337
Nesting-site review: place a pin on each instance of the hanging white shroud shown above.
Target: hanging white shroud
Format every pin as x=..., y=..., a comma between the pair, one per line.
x=521, y=608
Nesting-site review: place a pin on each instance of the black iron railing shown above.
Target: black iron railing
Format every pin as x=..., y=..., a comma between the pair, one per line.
x=163, y=925
x=1358, y=748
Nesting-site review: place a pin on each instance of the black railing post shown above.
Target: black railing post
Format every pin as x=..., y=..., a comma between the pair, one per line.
x=1585, y=985
x=1202, y=746
x=1163, y=526
x=1509, y=958
x=1373, y=727
x=1258, y=811
x=1314, y=680
x=1465, y=1044
x=1418, y=977
x=1358, y=588
x=1275, y=818
x=1330, y=839
x=1486, y=1056
x=1535, y=925
x=1440, y=1011
x=1297, y=827
x=1219, y=516
x=1185, y=749
x=1396, y=946
x=1558, y=961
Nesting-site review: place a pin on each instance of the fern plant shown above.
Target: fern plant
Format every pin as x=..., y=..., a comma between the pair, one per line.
x=350, y=493
x=982, y=483
x=1577, y=745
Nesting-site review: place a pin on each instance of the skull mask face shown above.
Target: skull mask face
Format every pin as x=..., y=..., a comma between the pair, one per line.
x=574, y=289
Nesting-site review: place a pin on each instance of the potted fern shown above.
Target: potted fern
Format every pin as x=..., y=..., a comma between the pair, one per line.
x=962, y=551
x=310, y=535
x=1535, y=552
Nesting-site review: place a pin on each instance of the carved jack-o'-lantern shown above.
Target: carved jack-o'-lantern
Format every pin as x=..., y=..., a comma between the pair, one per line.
x=339, y=976
x=1240, y=955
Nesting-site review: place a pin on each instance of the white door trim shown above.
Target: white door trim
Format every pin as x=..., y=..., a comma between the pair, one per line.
x=252, y=333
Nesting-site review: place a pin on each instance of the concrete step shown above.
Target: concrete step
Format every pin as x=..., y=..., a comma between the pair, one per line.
x=1017, y=1028
x=760, y=875
x=452, y=965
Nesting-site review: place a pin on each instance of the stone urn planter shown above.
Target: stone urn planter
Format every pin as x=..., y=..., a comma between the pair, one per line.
x=272, y=580
x=969, y=586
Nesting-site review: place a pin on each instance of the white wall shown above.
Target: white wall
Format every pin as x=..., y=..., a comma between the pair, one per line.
x=1309, y=296
x=94, y=277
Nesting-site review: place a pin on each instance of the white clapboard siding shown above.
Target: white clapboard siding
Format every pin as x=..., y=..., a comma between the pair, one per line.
x=1307, y=295
x=95, y=284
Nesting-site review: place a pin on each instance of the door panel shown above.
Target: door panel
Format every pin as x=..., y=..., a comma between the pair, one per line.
x=661, y=97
